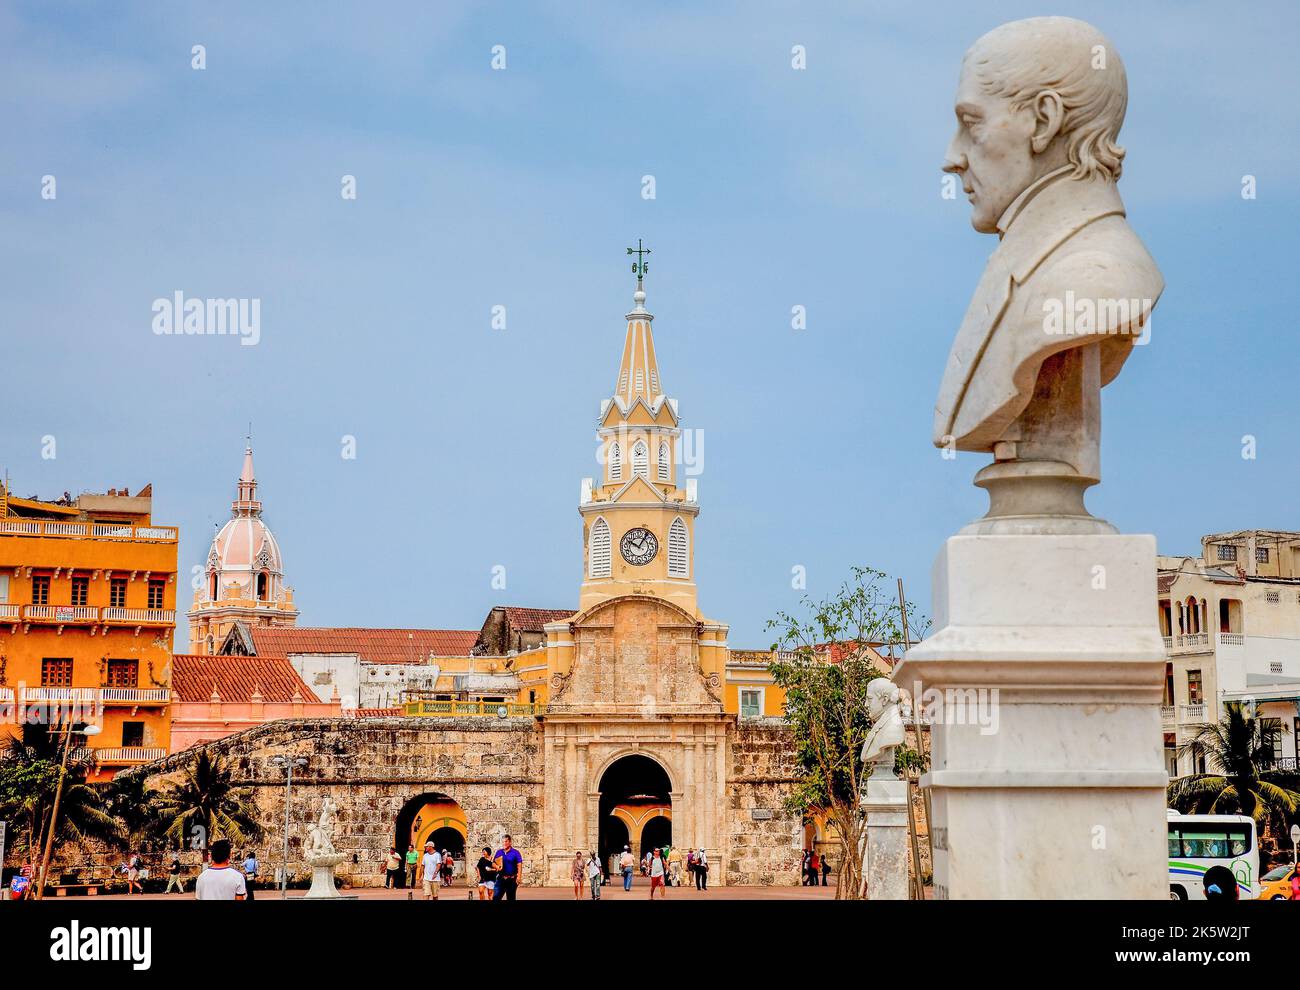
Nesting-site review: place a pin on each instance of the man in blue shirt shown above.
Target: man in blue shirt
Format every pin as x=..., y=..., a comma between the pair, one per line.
x=509, y=865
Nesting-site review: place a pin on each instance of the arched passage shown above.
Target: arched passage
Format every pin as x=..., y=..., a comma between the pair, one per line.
x=635, y=806
x=432, y=817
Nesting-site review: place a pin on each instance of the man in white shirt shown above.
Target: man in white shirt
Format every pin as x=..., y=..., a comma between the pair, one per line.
x=220, y=881
x=430, y=871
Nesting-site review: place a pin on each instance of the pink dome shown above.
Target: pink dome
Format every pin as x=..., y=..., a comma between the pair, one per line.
x=245, y=548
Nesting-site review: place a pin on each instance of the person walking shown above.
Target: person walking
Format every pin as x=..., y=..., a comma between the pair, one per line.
x=220, y=881
x=174, y=873
x=486, y=875
x=826, y=871
x=509, y=864
x=657, y=871
x=578, y=873
x=595, y=876
x=430, y=865
x=701, y=870
x=448, y=865
x=675, y=866
x=133, y=874
x=392, y=869
x=412, y=865
x=625, y=863
x=250, y=872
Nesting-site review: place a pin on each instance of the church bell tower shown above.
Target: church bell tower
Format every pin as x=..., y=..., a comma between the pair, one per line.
x=638, y=518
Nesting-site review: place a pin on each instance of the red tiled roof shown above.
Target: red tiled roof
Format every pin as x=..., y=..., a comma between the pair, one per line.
x=533, y=619
x=371, y=645
x=1165, y=581
x=194, y=676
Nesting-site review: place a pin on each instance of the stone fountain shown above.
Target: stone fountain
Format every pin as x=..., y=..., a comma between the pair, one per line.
x=323, y=858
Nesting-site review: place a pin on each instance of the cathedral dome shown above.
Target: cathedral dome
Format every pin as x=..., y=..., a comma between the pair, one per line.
x=244, y=561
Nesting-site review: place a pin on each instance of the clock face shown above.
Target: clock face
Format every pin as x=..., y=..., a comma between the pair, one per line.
x=638, y=546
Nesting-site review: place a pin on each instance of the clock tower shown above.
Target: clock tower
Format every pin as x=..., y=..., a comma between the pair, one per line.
x=638, y=513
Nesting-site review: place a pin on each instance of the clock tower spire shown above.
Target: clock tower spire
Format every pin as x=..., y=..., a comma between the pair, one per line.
x=638, y=514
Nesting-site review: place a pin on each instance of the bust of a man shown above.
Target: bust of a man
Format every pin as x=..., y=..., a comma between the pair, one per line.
x=1068, y=289
x=886, y=732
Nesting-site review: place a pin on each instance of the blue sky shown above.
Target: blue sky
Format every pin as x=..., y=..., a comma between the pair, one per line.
x=521, y=188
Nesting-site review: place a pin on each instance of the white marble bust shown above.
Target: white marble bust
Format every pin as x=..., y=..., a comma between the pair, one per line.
x=1065, y=294
x=886, y=732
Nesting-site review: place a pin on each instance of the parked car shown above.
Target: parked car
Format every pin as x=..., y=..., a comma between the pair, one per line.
x=1275, y=885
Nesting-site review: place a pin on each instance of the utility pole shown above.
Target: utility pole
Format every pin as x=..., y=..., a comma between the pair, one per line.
x=287, y=764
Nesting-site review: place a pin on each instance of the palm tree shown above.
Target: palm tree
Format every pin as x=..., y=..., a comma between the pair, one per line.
x=1235, y=748
x=33, y=758
x=206, y=799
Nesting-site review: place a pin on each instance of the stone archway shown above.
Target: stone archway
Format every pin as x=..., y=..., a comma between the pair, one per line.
x=635, y=790
x=432, y=817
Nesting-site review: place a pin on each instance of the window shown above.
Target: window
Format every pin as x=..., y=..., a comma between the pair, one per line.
x=1272, y=597
x=1270, y=730
x=640, y=460
x=654, y=380
x=212, y=587
x=622, y=382
x=615, y=462
x=751, y=702
x=261, y=586
x=4, y=588
x=1261, y=555
x=1208, y=841
x=41, y=589
x=80, y=590
x=1193, y=687
x=1226, y=552
x=156, y=591
x=678, y=549
x=132, y=734
x=599, y=549
x=122, y=673
x=665, y=462
x=640, y=381
x=1275, y=666
x=117, y=592
x=56, y=672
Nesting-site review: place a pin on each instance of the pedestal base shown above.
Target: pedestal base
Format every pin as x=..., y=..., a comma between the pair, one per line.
x=1044, y=683
x=885, y=805
x=322, y=881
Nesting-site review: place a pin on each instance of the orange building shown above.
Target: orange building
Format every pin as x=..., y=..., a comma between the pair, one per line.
x=87, y=616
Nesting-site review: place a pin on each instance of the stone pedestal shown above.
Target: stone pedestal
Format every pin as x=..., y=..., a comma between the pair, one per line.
x=322, y=879
x=885, y=805
x=1044, y=681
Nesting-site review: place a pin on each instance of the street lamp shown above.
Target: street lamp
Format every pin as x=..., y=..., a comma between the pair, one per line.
x=286, y=764
x=87, y=730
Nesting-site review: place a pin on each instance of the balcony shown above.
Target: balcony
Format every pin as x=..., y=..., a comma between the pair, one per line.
x=1188, y=643
x=1193, y=713
x=86, y=615
x=124, y=755
x=134, y=696
x=88, y=531
x=89, y=696
x=471, y=709
x=1232, y=639
x=1168, y=714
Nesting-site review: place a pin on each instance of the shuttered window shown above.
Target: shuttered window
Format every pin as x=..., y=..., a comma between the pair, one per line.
x=598, y=552
x=615, y=462
x=640, y=460
x=678, y=549
x=665, y=462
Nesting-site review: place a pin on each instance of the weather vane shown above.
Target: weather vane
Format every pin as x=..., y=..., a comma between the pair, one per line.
x=640, y=266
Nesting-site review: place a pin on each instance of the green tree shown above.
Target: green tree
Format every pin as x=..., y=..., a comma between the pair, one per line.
x=1235, y=749
x=824, y=663
x=205, y=805
x=29, y=776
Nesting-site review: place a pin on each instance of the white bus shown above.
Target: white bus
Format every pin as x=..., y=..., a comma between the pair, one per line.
x=1197, y=842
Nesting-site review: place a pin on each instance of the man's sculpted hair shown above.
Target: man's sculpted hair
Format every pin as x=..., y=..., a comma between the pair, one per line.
x=1021, y=59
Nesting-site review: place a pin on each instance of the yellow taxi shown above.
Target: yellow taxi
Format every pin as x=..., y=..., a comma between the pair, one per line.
x=1275, y=885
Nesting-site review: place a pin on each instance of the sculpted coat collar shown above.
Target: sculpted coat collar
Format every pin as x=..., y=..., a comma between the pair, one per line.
x=1046, y=214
